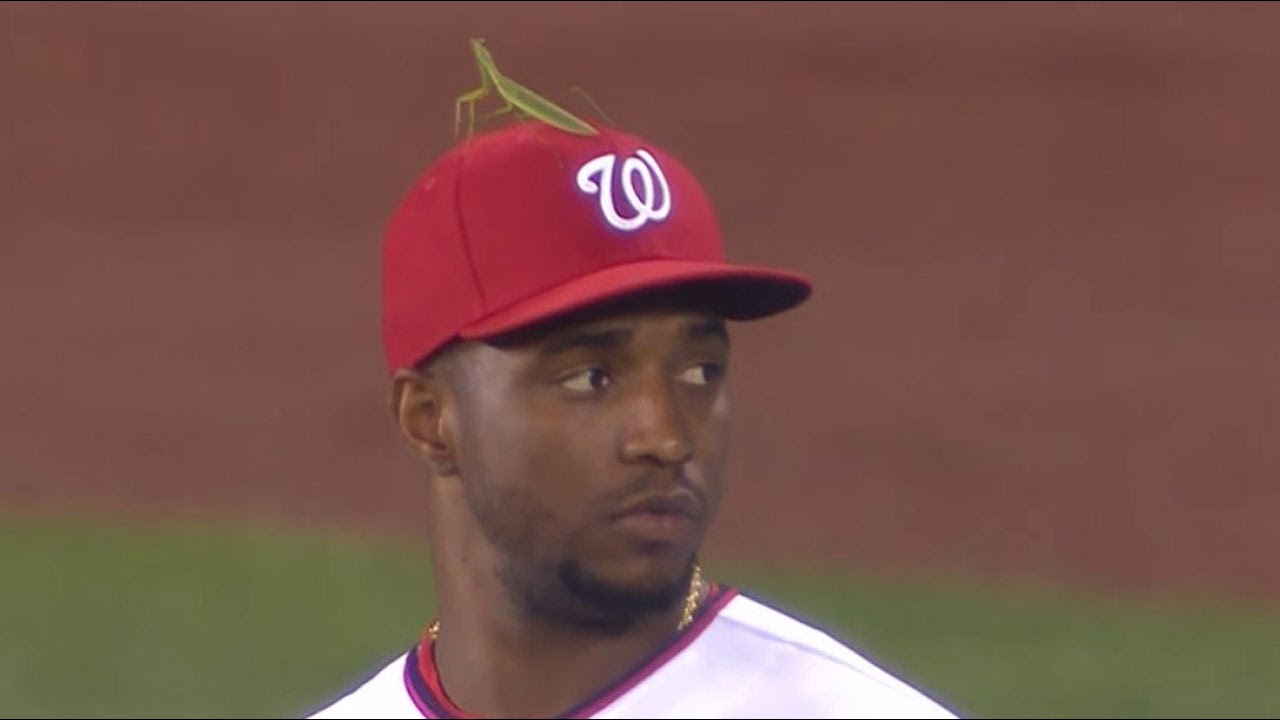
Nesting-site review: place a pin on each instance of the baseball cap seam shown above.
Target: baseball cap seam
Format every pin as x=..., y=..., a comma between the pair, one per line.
x=463, y=235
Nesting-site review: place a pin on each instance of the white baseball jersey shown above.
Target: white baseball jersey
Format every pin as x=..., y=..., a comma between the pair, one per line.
x=739, y=658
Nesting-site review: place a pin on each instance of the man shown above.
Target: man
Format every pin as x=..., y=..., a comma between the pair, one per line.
x=554, y=324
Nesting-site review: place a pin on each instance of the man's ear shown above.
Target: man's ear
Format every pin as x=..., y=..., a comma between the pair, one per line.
x=423, y=407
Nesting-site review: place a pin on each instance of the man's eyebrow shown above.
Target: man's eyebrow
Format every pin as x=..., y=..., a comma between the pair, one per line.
x=708, y=329
x=596, y=339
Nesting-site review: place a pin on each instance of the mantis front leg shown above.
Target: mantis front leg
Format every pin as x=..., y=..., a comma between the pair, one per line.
x=469, y=99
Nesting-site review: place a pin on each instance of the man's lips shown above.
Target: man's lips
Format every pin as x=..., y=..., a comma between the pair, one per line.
x=680, y=502
x=665, y=518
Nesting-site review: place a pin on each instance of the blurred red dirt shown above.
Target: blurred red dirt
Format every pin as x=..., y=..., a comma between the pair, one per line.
x=1043, y=342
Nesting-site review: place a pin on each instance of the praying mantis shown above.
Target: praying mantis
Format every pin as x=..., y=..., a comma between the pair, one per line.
x=516, y=96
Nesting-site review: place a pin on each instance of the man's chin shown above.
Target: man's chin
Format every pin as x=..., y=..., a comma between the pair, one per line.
x=615, y=602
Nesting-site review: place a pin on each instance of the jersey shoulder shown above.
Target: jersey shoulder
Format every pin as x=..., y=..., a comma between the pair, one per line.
x=382, y=696
x=813, y=673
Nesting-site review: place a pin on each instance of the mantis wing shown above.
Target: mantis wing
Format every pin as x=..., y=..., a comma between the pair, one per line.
x=516, y=95
x=539, y=107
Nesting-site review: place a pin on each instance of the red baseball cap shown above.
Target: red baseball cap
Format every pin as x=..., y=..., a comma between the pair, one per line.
x=520, y=224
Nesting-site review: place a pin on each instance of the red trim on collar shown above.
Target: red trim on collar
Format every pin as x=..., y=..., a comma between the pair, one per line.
x=430, y=675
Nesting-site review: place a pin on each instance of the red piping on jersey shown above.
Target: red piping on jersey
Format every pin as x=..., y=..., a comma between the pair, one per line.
x=421, y=663
x=418, y=702
x=430, y=676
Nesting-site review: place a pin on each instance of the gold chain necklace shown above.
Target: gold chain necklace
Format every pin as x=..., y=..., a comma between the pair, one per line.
x=690, y=605
x=692, y=599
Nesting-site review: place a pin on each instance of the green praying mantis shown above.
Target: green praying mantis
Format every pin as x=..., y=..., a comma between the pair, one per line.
x=516, y=96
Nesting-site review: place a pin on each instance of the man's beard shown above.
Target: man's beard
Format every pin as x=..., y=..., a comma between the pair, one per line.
x=572, y=597
x=561, y=590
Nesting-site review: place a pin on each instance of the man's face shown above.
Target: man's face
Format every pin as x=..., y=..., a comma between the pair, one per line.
x=592, y=455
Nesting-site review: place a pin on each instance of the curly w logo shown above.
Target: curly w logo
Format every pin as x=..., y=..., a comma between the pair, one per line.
x=644, y=188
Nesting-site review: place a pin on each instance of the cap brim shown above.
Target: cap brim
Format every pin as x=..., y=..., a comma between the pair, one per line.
x=736, y=292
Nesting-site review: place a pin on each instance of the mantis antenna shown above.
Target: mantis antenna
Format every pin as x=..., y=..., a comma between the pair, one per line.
x=516, y=96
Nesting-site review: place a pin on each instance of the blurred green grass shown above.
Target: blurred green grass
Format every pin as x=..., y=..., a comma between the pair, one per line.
x=101, y=620
x=1040, y=652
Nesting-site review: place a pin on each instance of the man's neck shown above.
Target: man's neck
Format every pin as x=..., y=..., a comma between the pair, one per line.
x=529, y=669
x=494, y=659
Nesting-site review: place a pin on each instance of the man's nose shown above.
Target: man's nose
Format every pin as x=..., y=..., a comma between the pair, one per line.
x=656, y=431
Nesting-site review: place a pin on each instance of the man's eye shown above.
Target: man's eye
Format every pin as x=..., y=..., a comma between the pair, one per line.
x=702, y=374
x=589, y=380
